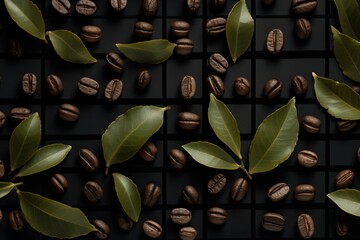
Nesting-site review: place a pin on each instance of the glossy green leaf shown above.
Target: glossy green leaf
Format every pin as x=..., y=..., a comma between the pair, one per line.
x=70, y=47
x=45, y=158
x=337, y=98
x=5, y=188
x=129, y=196
x=27, y=16
x=224, y=125
x=149, y=52
x=239, y=29
x=349, y=17
x=347, y=200
x=210, y=155
x=347, y=52
x=24, y=141
x=53, y=218
x=275, y=139
x=128, y=133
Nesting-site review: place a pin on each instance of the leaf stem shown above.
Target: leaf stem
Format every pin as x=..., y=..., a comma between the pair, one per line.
x=242, y=167
x=18, y=184
x=46, y=35
x=107, y=170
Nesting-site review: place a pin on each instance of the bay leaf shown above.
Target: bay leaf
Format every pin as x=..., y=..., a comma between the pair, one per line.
x=148, y=52
x=45, y=158
x=337, y=98
x=70, y=47
x=5, y=188
x=349, y=17
x=128, y=195
x=347, y=52
x=224, y=125
x=275, y=139
x=210, y=155
x=27, y=16
x=347, y=200
x=239, y=29
x=24, y=141
x=53, y=218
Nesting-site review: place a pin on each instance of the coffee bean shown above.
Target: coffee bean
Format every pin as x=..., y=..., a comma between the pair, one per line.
x=304, y=6
x=150, y=7
x=188, y=87
x=2, y=169
x=341, y=226
x=148, y=152
x=180, y=28
x=303, y=28
x=307, y=158
x=15, y=48
x=239, y=189
x=191, y=195
x=59, y=183
x=306, y=226
x=88, y=86
x=1, y=216
x=346, y=125
x=242, y=86
x=103, y=229
x=299, y=85
x=69, y=113
x=16, y=220
x=88, y=160
x=184, y=46
x=344, y=178
x=61, y=6
x=118, y=5
x=93, y=191
x=2, y=119
x=356, y=89
x=193, y=5
x=90, y=33
x=188, y=121
x=114, y=62
x=218, y=3
x=177, y=158
x=144, y=79
x=152, y=229
x=278, y=192
x=113, y=90
x=218, y=63
x=180, y=216
x=275, y=41
x=85, y=7
x=143, y=29
x=187, y=233
x=274, y=222
x=29, y=84
x=124, y=222
x=311, y=124
x=151, y=195
x=217, y=215
x=268, y=3
x=17, y=114
x=215, y=85
x=54, y=85
x=216, y=183
x=216, y=26
x=304, y=192
x=272, y=88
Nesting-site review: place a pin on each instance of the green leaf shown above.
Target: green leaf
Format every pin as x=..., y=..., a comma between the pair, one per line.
x=45, y=158
x=347, y=200
x=224, y=125
x=149, y=52
x=210, y=155
x=70, y=47
x=349, y=17
x=27, y=16
x=128, y=133
x=337, y=98
x=275, y=139
x=5, y=188
x=53, y=218
x=347, y=52
x=239, y=29
x=129, y=196
x=24, y=141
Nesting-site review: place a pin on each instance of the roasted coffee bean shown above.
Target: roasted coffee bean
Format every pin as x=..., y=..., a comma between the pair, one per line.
x=143, y=29
x=93, y=191
x=188, y=121
x=59, y=183
x=29, y=84
x=188, y=87
x=152, y=229
x=274, y=222
x=191, y=194
x=304, y=192
x=304, y=6
x=118, y=5
x=180, y=28
x=85, y=7
x=218, y=63
x=299, y=85
x=356, y=89
x=272, y=88
x=311, y=124
x=216, y=183
x=184, y=46
x=113, y=90
x=90, y=33
x=278, y=192
x=180, y=216
x=124, y=222
x=15, y=48
x=103, y=229
x=88, y=160
x=1, y=216
x=242, y=86
x=16, y=220
x=216, y=26
x=215, y=85
x=307, y=158
x=303, y=28
x=341, y=226
x=239, y=189
x=217, y=215
x=275, y=41
x=114, y=62
x=2, y=169
x=218, y=3
x=144, y=79
x=54, y=85
x=150, y=7
x=268, y=2
x=61, y=6
x=68, y=112
x=344, y=178
x=193, y=5
x=151, y=195
x=88, y=86
x=177, y=158
x=2, y=119
x=187, y=233
x=148, y=152
x=17, y=114
x=346, y=125
x=306, y=226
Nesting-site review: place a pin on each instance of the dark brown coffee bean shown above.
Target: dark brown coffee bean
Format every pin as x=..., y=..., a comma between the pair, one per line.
x=1, y=216
x=85, y=7
x=143, y=29
x=68, y=112
x=93, y=191
x=103, y=229
x=278, y=192
x=88, y=86
x=191, y=194
x=344, y=178
x=187, y=233
x=144, y=79
x=114, y=62
x=88, y=160
x=311, y=124
x=346, y=125
x=15, y=48
x=272, y=88
x=90, y=33
x=239, y=189
x=150, y=7
x=341, y=226
x=188, y=121
x=307, y=158
x=2, y=119
x=29, y=84
x=274, y=222
x=304, y=6
x=193, y=5
x=180, y=216
x=188, y=87
x=113, y=90
x=306, y=226
x=217, y=215
x=184, y=46
x=151, y=195
x=54, y=85
x=152, y=229
x=118, y=5
x=148, y=152
x=218, y=4
x=59, y=183
x=17, y=114
x=2, y=169
x=268, y=3
x=61, y=6
x=16, y=220
x=304, y=192
x=180, y=28
x=177, y=158
x=218, y=63
x=216, y=26
x=215, y=85
x=275, y=41
x=242, y=86
x=216, y=183
x=356, y=89
x=299, y=85
x=124, y=222
x=303, y=28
